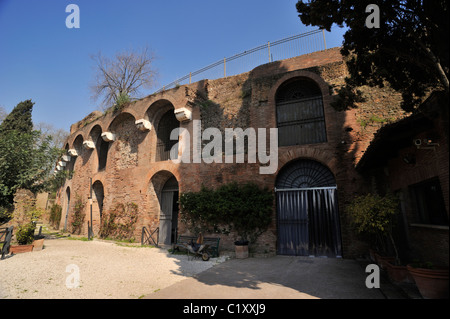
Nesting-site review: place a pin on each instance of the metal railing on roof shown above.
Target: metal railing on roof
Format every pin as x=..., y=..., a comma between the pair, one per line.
x=286, y=48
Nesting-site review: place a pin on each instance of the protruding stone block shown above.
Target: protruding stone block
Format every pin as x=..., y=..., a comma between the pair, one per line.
x=143, y=125
x=108, y=137
x=89, y=145
x=72, y=152
x=183, y=114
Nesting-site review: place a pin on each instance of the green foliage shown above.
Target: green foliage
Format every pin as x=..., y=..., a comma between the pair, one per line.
x=121, y=101
x=57, y=180
x=25, y=234
x=119, y=223
x=29, y=214
x=77, y=219
x=422, y=264
x=5, y=214
x=406, y=51
x=246, y=209
x=26, y=159
x=373, y=214
x=26, y=223
x=55, y=216
x=19, y=119
x=374, y=217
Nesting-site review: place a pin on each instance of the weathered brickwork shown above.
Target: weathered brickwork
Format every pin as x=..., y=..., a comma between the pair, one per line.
x=132, y=173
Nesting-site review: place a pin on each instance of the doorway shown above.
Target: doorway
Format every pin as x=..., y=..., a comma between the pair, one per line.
x=168, y=218
x=307, y=211
x=67, y=207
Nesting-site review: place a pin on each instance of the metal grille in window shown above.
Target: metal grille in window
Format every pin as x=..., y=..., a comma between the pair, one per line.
x=167, y=123
x=300, y=116
x=305, y=174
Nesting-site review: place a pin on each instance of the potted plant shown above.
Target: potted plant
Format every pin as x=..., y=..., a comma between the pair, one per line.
x=24, y=238
x=25, y=218
x=250, y=215
x=374, y=218
x=431, y=280
x=244, y=210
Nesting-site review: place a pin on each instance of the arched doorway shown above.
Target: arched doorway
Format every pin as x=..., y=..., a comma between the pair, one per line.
x=66, y=207
x=307, y=210
x=97, y=205
x=168, y=218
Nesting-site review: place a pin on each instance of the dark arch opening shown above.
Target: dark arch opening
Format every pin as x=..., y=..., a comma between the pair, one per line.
x=164, y=144
x=307, y=210
x=300, y=114
x=165, y=186
x=99, y=194
x=304, y=173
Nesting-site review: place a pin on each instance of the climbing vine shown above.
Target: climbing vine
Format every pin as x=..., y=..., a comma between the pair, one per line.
x=78, y=216
x=119, y=222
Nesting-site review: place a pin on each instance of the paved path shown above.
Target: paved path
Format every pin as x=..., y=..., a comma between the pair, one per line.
x=279, y=277
x=106, y=270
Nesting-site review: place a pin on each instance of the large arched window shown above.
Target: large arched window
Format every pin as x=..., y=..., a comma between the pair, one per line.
x=101, y=146
x=300, y=115
x=164, y=144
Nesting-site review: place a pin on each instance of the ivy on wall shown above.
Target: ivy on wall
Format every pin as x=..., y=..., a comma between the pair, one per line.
x=119, y=222
x=245, y=209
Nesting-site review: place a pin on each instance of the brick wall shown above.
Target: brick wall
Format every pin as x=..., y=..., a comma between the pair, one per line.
x=245, y=100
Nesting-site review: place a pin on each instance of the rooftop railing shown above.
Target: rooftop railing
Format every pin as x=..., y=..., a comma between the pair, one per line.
x=286, y=48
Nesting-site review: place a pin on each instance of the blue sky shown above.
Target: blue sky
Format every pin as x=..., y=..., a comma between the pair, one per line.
x=42, y=60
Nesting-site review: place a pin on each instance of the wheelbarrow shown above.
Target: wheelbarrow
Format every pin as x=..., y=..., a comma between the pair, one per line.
x=198, y=250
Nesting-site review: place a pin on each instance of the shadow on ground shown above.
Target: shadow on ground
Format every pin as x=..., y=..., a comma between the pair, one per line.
x=278, y=277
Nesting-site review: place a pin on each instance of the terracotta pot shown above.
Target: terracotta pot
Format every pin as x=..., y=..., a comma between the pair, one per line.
x=38, y=244
x=241, y=251
x=383, y=261
x=18, y=249
x=432, y=283
x=399, y=273
x=372, y=255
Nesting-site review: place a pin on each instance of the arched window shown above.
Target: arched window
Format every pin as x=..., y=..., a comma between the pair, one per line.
x=101, y=146
x=98, y=197
x=300, y=115
x=164, y=144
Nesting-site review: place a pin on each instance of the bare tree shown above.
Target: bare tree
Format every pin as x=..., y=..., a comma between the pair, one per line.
x=47, y=129
x=123, y=77
x=3, y=113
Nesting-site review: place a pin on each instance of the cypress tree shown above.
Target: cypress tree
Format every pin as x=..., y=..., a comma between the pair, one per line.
x=19, y=119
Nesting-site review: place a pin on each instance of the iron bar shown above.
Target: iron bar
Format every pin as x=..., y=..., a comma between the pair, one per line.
x=308, y=37
x=303, y=189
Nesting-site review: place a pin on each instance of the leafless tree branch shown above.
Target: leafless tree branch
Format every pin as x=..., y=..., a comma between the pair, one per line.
x=126, y=74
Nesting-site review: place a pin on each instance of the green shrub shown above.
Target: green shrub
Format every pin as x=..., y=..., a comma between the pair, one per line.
x=374, y=217
x=246, y=209
x=122, y=100
x=25, y=234
x=78, y=216
x=55, y=215
x=5, y=215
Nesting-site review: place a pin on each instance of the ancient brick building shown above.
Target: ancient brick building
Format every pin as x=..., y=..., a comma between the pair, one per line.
x=124, y=154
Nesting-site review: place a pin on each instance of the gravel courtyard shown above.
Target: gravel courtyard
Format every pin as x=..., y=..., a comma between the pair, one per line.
x=106, y=270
